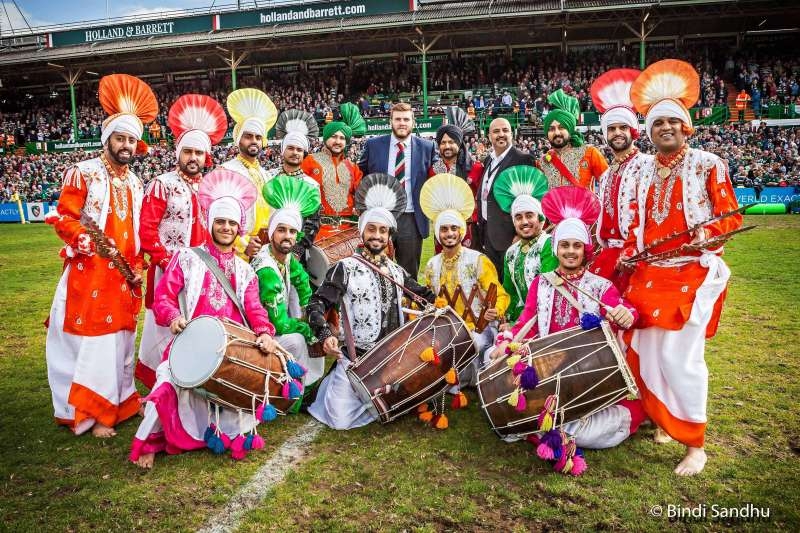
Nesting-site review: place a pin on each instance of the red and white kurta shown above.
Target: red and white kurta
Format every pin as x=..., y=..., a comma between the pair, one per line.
x=679, y=299
x=92, y=324
x=171, y=219
x=617, y=192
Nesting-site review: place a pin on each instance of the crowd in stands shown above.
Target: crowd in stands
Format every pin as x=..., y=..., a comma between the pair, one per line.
x=489, y=84
x=766, y=156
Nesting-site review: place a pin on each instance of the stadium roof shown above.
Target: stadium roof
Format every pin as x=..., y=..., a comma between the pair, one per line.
x=457, y=25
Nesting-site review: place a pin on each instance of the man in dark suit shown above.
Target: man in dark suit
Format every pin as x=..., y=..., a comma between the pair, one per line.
x=409, y=159
x=495, y=227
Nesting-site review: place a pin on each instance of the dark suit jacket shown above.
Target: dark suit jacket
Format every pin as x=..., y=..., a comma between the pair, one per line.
x=499, y=232
x=375, y=158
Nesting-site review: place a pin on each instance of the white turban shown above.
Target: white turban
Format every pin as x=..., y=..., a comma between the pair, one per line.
x=195, y=139
x=619, y=115
x=666, y=108
x=290, y=217
x=252, y=125
x=376, y=215
x=229, y=208
x=525, y=203
x=125, y=123
x=448, y=217
x=294, y=138
x=570, y=228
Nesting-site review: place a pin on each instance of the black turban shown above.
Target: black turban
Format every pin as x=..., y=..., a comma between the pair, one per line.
x=454, y=132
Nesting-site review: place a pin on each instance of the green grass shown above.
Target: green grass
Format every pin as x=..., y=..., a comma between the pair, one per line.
x=406, y=476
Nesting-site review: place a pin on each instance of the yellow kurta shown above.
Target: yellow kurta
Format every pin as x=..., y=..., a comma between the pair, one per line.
x=466, y=269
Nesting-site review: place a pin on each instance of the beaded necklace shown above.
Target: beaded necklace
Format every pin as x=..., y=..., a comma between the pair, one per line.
x=667, y=172
x=119, y=189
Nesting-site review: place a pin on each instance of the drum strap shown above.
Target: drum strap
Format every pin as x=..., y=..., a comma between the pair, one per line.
x=226, y=284
x=551, y=277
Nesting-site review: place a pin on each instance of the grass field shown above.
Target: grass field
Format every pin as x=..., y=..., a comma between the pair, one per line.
x=406, y=476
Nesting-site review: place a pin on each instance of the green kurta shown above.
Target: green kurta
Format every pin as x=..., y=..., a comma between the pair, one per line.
x=273, y=286
x=524, y=261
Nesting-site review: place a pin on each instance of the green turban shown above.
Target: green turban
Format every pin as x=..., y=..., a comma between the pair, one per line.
x=352, y=123
x=566, y=111
x=333, y=127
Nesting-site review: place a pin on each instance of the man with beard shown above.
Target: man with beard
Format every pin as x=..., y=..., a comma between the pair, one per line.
x=283, y=285
x=517, y=192
x=553, y=305
x=618, y=185
x=171, y=217
x=679, y=298
x=92, y=324
x=178, y=419
x=336, y=175
x=372, y=303
x=569, y=161
x=409, y=159
x=254, y=115
x=454, y=158
x=495, y=237
x=294, y=147
x=447, y=201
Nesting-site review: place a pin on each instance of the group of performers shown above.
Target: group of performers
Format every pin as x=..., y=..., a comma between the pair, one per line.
x=526, y=249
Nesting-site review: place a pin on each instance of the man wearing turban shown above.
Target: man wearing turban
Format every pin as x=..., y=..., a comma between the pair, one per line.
x=337, y=176
x=569, y=161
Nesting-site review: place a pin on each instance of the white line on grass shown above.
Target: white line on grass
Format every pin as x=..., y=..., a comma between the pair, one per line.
x=270, y=474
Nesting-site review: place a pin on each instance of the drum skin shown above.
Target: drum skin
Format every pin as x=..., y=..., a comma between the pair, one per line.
x=242, y=376
x=331, y=245
x=395, y=362
x=595, y=381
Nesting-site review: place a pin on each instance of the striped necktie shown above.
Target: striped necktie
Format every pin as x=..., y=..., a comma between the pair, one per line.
x=400, y=163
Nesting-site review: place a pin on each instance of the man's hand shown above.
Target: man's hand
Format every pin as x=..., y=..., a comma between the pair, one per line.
x=331, y=347
x=253, y=247
x=266, y=343
x=177, y=325
x=700, y=235
x=505, y=326
x=621, y=316
x=491, y=314
x=498, y=351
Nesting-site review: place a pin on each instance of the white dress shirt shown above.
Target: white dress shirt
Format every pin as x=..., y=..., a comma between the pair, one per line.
x=491, y=174
x=407, y=158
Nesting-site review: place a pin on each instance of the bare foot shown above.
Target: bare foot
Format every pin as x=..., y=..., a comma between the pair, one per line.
x=661, y=436
x=693, y=462
x=102, y=432
x=146, y=460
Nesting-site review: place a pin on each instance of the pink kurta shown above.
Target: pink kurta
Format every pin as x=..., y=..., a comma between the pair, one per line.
x=176, y=418
x=563, y=315
x=212, y=301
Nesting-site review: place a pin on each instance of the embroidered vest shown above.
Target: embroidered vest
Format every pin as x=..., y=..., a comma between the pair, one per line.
x=336, y=180
x=591, y=283
x=468, y=272
x=363, y=298
x=175, y=228
x=628, y=189
x=98, y=198
x=697, y=164
x=194, y=273
x=571, y=157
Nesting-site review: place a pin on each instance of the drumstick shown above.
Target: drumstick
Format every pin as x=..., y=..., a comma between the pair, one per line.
x=590, y=296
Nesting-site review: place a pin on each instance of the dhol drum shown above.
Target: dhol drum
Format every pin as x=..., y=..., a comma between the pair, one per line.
x=584, y=369
x=218, y=358
x=392, y=379
x=331, y=245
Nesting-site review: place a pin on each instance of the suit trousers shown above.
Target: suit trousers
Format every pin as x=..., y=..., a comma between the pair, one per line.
x=497, y=257
x=408, y=244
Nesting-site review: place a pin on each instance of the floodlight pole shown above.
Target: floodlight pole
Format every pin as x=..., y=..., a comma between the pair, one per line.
x=234, y=62
x=71, y=77
x=423, y=49
x=642, y=35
